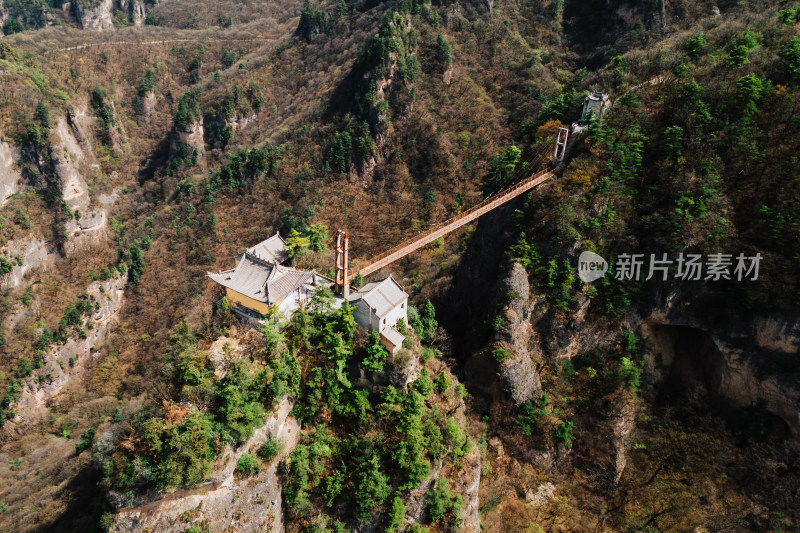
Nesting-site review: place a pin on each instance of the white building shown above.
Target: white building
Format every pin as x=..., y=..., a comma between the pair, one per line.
x=378, y=306
x=596, y=103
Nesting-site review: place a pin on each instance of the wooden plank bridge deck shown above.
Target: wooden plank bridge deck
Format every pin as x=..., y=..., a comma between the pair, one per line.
x=443, y=228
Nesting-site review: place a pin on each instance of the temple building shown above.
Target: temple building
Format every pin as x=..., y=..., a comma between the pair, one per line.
x=378, y=306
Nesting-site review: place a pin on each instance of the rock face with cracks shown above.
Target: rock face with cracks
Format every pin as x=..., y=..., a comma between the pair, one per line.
x=28, y=252
x=94, y=14
x=9, y=175
x=223, y=502
x=64, y=362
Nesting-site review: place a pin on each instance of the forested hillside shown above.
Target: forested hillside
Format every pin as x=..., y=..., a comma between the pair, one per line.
x=144, y=144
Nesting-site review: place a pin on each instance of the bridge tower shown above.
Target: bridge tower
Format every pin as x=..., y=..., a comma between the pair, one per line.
x=342, y=260
x=561, y=145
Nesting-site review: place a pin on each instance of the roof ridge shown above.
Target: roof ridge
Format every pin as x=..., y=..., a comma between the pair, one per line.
x=377, y=286
x=254, y=258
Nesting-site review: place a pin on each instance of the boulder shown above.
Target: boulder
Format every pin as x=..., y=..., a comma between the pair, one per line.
x=94, y=14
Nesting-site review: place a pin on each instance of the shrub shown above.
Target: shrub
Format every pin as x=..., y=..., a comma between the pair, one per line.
x=790, y=15
x=427, y=318
x=188, y=110
x=568, y=369
x=500, y=355
x=445, y=50
x=423, y=384
x=501, y=170
x=371, y=487
x=443, y=382
x=108, y=521
x=148, y=84
x=498, y=322
x=86, y=440
x=183, y=451
x=461, y=391
x=628, y=375
x=396, y=516
x=376, y=353
x=248, y=465
x=23, y=368
x=531, y=413
x=695, y=46
x=443, y=501
x=563, y=434
x=271, y=449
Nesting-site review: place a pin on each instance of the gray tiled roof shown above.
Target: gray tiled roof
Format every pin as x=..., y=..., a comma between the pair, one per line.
x=272, y=249
x=382, y=296
x=260, y=280
x=393, y=336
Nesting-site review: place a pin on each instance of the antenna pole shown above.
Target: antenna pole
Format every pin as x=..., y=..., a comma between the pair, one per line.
x=346, y=287
x=342, y=263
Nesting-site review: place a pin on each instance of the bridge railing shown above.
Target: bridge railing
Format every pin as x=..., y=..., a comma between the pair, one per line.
x=376, y=262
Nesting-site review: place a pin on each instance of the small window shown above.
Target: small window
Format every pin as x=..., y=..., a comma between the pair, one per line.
x=403, y=305
x=384, y=321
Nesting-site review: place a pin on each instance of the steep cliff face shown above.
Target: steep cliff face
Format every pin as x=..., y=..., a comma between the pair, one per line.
x=94, y=14
x=80, y=124
x=468, y=483
x=738, y=365
x=520, y=378
x=138, y=14
x=71, y=156
x=743, y=366
x=148, y=105
x=27, y=253
x=189, y=143
x=249, y=504
x=134, y=9
x=66, y=362
x=73, y=187
x=9, y=175
x=483, y=261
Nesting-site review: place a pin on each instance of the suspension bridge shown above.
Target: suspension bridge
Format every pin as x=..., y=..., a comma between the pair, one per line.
x=344, y=277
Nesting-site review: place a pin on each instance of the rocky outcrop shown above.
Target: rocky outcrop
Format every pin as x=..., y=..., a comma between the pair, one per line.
x=134, y=9
x=138, y=13
x=517, y=375
x=25, y=254
x=80, y=123
x=622, y=427
x=224, y=503
x=520, y=378
x=188, y=143
x=9, y=174
x=86, y=232
x=74, y=190
x=146, y=105
x=389, y=85
x=742, y=365
x=87, y=226
x=468, y=483
x=93, y=14
x=223, y=350
x=65, y=362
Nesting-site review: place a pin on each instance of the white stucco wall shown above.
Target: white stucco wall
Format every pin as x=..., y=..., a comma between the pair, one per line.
x=391, y=318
